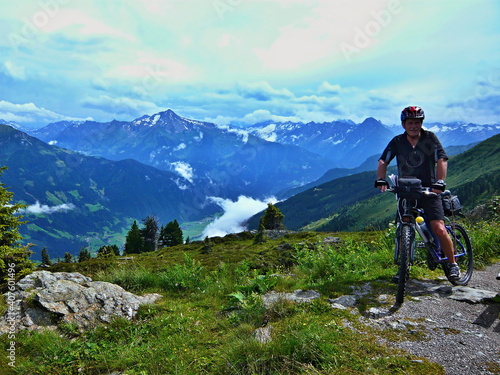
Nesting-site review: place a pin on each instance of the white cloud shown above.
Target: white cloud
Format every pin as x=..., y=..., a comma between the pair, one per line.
x=262, y=91
x=27, y=108
x=227, y=40
x=314, y=36
x=184, y=170
x=235, y=214
x=43, y=209
x=179, y=147
x=16, y=71
x=120, y=105
x=79, y=24
x=261, y=115
x=180, y=184
x=157, y=69
x=242, y=133
x=29, y=112
x=268, y=133
x=327, y=88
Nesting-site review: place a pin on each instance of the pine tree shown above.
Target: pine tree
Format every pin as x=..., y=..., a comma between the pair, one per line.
x=149, y=233
x=162, y=237
x=260, y=236
x=115, y=250
x=273, y=218
x=171, y=235
x=45, y=257
x=104, y=252
x=133, y=241
x=177, y=233
x=84, y=255
x=14, y=257
x=68, y=258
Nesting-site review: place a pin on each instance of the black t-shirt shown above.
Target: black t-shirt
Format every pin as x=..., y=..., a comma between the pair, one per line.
x=418, y=162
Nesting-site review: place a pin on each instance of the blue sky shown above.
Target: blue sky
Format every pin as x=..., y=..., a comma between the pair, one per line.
x=245, y=61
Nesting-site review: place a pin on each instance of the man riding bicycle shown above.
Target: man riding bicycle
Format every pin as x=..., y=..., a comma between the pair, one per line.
x=420, y=154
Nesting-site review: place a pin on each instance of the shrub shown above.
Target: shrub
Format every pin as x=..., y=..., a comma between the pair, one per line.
x=188, y=276
x=485, y=238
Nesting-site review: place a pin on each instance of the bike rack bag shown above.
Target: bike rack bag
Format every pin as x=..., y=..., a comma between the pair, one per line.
x=451, y=204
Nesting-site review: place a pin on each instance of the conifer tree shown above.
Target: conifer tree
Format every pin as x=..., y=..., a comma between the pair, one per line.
x=133, y=241
x=14, y=257
x=171, y=235
x=162, y=237
x=45, y=257
x=115, y=250
x=273, y=218
x=260, y=236
x=105, y=252
x=150, y=233
x=84, y=255
x=68, y=258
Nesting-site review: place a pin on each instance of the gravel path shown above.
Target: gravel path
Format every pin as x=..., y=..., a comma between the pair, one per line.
x=463, y=337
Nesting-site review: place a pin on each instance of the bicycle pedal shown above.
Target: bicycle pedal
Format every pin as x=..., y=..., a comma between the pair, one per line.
x=421, y=244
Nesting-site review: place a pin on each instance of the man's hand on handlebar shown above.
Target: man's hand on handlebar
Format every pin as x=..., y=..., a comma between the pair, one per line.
x=381, y=184
x=438, y=187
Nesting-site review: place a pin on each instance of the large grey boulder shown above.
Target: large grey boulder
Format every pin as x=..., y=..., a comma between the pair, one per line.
x=44, y=300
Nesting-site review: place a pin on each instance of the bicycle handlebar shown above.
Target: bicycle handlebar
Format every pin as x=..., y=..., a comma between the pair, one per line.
x=422, y=190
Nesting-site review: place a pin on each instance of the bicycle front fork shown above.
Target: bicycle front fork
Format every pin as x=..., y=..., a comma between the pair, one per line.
x=398, y=240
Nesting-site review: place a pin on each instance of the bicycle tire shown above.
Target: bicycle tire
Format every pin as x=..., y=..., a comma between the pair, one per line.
x=464, y=255
x=405, y=250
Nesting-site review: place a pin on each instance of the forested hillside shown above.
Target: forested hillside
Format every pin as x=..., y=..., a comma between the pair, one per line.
x=77, y=200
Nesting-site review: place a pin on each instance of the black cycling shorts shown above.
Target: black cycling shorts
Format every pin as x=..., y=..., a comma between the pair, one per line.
x=433, y=207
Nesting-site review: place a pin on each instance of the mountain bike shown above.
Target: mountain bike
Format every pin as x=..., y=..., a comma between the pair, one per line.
x=410, y=220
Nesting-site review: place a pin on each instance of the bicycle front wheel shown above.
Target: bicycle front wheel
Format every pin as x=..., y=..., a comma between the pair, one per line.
x=463, y=254
x=405, y=250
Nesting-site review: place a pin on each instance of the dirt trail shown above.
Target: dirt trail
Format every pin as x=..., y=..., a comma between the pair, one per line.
x=463, y=337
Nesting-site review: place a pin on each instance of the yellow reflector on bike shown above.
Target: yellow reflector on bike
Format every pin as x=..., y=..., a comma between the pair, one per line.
x=419, y=219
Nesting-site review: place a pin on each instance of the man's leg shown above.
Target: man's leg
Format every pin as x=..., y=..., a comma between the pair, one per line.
x=446, y=245
x=439, y=230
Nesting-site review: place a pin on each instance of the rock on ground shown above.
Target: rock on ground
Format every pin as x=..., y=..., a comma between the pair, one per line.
x=44, y=299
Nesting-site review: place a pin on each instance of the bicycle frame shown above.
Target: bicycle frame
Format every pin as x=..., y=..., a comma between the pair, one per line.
x=431, y=244
x=407, y=212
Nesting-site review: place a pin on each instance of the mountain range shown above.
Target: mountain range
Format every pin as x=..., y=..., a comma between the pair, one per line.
x=349, y=144
x=86, y=181
x=224, y=162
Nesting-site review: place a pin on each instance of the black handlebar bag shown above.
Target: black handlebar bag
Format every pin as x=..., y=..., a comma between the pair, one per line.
x=409, y=188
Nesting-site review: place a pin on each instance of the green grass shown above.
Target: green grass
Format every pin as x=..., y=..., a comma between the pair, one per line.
x=212, y=305
x=485, y=238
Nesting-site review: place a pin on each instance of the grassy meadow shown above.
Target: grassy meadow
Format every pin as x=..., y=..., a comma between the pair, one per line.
x=212, y=306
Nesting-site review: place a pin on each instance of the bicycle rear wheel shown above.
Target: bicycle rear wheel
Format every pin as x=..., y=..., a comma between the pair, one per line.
x=463, y=254
x=405, y=250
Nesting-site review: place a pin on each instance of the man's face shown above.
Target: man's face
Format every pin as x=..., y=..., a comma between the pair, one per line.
x=413, y=127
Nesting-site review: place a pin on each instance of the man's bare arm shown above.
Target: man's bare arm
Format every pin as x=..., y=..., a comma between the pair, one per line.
x=441, y=169
x=381, y=169
x=381, y=172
